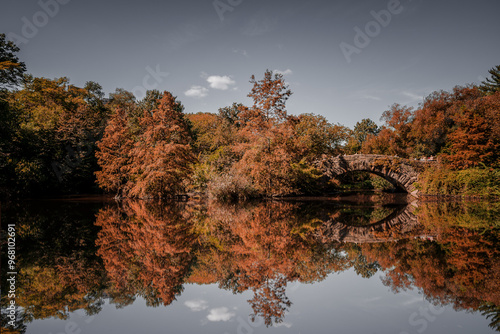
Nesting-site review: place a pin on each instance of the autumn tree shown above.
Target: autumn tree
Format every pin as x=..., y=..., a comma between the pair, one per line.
x=360, y=133
x=315, y=136
x=269, y=100
x=231, y=113
x=150, y=101
x=394, y=138
x=55, y=128
x=162, y=156
x=475, y=140
x=124, y=99
x=114, y=154
x=206, y=131
x=214, y=135
x=436, y=119
x=266, y=136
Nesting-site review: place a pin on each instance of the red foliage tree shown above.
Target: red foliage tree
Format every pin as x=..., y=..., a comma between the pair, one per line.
x=476, y=139
x=162, y=155
x=435, y=120
x=113, y=154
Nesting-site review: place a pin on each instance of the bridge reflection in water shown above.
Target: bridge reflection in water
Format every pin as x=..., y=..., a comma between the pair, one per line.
x=398, y=225
x=121, y=251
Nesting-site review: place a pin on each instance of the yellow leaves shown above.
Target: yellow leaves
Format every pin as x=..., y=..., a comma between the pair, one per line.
x=7, y=64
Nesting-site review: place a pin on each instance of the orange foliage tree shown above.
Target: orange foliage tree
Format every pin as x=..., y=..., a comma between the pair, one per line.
x=114, y=154
x=394, y=138
x=154, y=162
x=476, y=139
x=265, y=144
x=436, y=119
x=162, y=156
x=461, y=126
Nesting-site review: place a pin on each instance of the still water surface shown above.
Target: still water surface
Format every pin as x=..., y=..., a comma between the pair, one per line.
x=359, y=264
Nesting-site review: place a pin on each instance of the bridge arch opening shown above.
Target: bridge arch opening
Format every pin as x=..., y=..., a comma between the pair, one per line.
x=369, y=180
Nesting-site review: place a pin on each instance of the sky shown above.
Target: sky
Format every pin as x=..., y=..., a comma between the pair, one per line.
x=344, y=302
x=343, y=59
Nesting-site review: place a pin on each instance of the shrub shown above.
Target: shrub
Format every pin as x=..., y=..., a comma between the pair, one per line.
x=231, y=188
x=468, y=182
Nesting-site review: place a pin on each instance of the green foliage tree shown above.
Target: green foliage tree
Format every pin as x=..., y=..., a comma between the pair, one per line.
x=53, y=127
x=315, y=136
x=360, y=133
x=231, y=114
x=492, y=84
x=11, y=69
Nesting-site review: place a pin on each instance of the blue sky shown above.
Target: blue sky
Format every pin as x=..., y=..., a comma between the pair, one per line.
x=205, y=52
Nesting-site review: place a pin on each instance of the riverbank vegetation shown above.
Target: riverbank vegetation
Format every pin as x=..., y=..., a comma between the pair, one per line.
x=57, y=138
x=471, y=182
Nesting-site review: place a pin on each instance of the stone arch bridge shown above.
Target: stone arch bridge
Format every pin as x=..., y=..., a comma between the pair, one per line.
x=402, y=173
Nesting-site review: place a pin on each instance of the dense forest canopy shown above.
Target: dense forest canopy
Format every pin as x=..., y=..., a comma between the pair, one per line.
x=57, y=138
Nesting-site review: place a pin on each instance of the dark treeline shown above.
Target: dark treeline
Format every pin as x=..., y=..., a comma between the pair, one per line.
x=57, y=138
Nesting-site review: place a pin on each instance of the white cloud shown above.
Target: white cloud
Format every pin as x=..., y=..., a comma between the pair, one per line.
x=413, y=96
x=371, y=97
x=196, y=305
x=285, y=324
x=220, y=82
x=197, y=92
x=220, y=314
x=285, y=72
x=371, y=300
x=413, y=300
x=242, y=52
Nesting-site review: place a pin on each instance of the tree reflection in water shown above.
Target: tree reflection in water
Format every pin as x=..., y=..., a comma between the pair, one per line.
x=446, y=250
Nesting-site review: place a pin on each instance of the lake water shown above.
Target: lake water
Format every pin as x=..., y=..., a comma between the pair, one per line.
x=351, y=264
